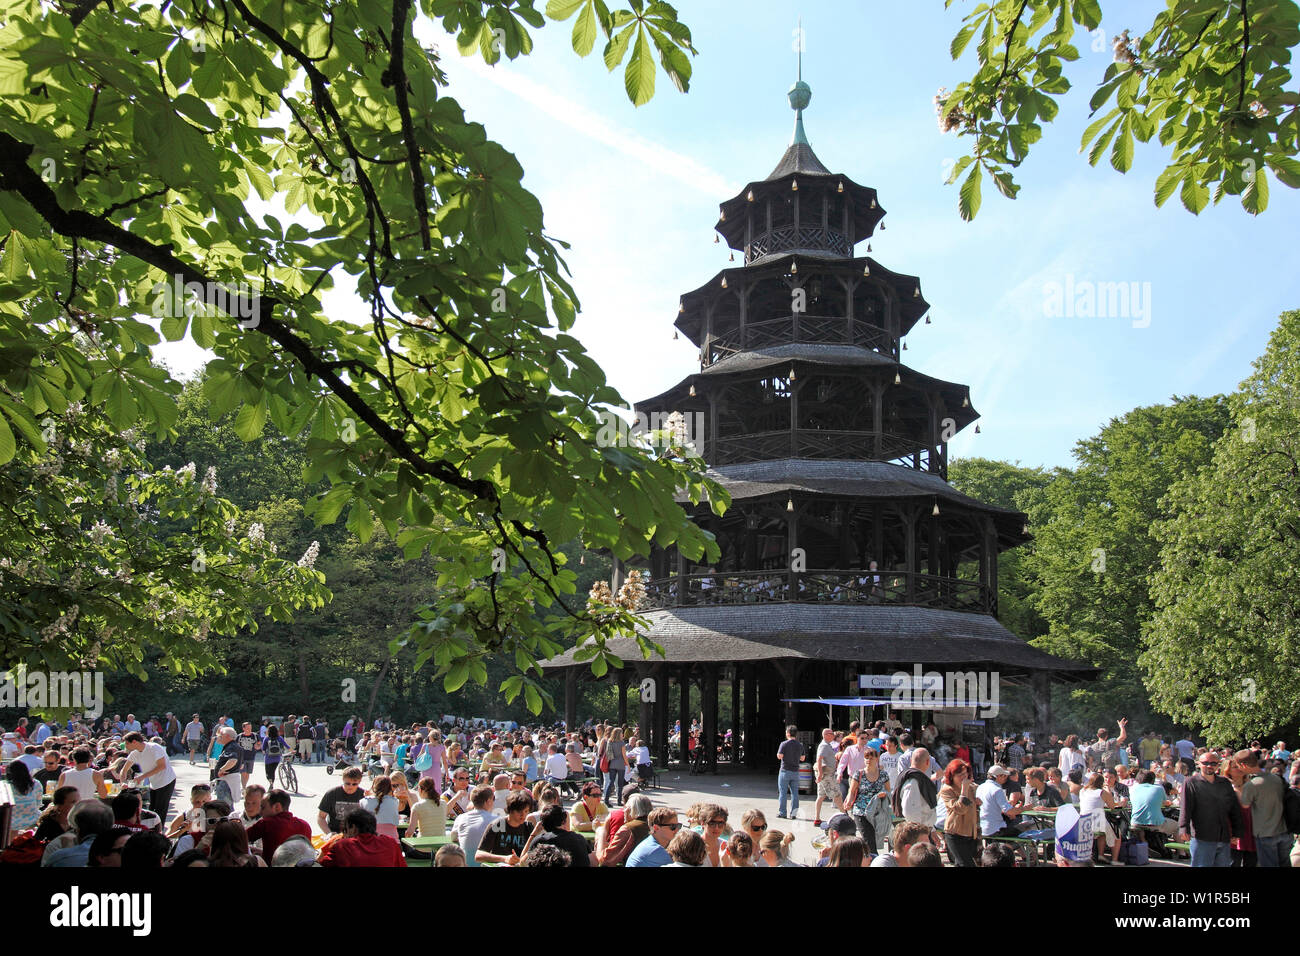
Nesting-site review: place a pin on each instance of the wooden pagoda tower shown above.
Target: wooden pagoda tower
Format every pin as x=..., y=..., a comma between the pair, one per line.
x=845, y=550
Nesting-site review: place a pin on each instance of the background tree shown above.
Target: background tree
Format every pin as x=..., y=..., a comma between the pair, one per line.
x=1094, y=550
x=1223, y=644
x=1207, y=78
x=455, y=411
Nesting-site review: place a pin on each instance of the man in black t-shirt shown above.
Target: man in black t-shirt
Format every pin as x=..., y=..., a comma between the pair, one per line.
x=249, y=744
x=226, y=767
x=338, y=802
x=554, y=825
x=505, y=838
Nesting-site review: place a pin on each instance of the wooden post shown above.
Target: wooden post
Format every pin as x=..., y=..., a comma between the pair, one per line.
x=878, y=417
x=570, y=698
x=751, y=714
x=910, y=518
x=660, y=709
x=1041, y=682
x=789, y=671
x=684, y=710
x=735, y=715
x=709, y=733
x=792, y=542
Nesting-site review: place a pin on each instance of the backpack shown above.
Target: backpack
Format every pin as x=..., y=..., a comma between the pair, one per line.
x=273, y=747
x=221, y=791
x=1291, y=809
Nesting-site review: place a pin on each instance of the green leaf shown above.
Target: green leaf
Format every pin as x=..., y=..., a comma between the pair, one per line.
x=1167, y=182
x=1195, y=195
x=1094, y=127
x=563, y=9
x=8, y=447
x=960, y=40
x=1121, y=155
x=639, y=77
x=585, y=31
x=250, y=420
x=533, y=699
x=969, y=198
x=616, y=48
x=1287, y=170
x=1254, y=199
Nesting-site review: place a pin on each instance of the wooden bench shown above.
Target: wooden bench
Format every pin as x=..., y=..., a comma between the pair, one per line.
x=1030, y=846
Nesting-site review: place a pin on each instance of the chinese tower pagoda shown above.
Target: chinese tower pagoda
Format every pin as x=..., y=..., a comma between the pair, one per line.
x=845, y=550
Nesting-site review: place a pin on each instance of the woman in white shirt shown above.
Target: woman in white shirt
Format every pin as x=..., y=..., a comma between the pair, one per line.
x=1071, y=756
x=1095, y=800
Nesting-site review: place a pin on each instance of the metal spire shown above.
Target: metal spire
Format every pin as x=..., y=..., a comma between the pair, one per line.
x=800, y=94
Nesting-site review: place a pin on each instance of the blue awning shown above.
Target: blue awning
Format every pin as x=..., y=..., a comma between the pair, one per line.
x=886, y=701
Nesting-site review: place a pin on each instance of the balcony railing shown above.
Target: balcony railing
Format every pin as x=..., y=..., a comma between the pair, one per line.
x=785, y=238
x=801, y=327
x=820, y=587
x=813, y=443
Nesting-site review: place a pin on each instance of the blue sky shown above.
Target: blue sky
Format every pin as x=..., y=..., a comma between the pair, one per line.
x=636, y=191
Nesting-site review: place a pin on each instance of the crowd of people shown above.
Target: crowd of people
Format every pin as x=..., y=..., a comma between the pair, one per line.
x=506, y=795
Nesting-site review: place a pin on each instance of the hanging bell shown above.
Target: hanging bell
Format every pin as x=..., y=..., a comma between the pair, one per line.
x=749, y=196
x=724, y=215
x=898, y=379
x=965, y=401
x=732, y=257
x=794, y=185
x=866, y=269
x=724, y=282
x=716, y=240
x=977, y=429
x=789, y=505
x=692, y=391
x=794, y=268
x=935, y=510
x=868, y=247
x=792, y=373
x=882, y=227
x=927, y=320
x=841, y=187
x=681, y=308
x=674, y=335
x=916, y=293
x=873, y=202
x=904, y=346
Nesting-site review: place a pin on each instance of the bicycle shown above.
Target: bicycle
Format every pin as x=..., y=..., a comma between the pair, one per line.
x=288, y=776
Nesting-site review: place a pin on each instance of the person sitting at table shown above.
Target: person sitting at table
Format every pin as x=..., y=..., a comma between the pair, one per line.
x=53, y=821
x=361, y=845
x=1148, y=800
x=590, y=810
x=88, y=781
x=1039, y=795
x=528, y=763
x=556, y=768
x=573, y=760
x=553, y=829
x=383, y=805
x=1094, y=799
x=506, y=837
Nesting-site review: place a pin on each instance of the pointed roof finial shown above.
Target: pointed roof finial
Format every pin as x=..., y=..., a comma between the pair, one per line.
x=801, y=93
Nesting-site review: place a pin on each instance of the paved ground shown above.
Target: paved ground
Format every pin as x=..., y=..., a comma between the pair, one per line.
x=736, y=790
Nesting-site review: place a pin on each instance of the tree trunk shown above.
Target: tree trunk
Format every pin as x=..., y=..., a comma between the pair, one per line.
x=374, y=692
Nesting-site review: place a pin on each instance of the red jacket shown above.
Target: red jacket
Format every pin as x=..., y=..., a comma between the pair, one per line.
x=368, y=849
x=274, y=830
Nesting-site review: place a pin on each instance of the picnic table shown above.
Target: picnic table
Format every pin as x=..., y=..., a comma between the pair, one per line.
x=426, y=843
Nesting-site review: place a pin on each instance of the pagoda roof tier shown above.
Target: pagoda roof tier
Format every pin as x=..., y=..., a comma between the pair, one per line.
x=783, y=477
x=907, y=288
x=829, y=632
x=679, y=398
x=799, y=165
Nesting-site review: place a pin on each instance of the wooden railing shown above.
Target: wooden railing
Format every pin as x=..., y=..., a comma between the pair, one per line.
x=812, y=443
x=799, y=327
x=805, y=237
x=820, y=587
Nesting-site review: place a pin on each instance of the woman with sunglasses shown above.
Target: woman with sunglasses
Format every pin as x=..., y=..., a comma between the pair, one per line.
x=961, y=820
x=713, y=827
x=868, y=801
x=754, y=825
x=590, y=811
